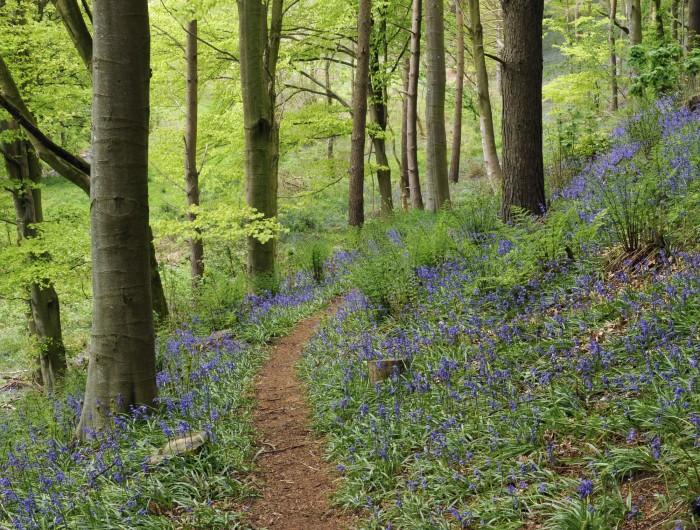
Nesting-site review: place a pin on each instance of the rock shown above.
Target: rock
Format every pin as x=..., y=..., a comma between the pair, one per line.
x=190, y=443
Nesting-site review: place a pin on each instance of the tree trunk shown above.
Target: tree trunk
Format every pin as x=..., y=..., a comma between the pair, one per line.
x=523, y=170
x=488, y=133
x=379, y=97
x=356, y=205
x=659, y=20
x=191, y=172
x=438, y=189
x=24, y=171
x=405, y=189
x=674, y=19
x=329, y=102
x=122, y=368
x=258, y=57
x=634, y=16
x=693, y=23
x=459, y=90
x=412, y=108
x=613, y=57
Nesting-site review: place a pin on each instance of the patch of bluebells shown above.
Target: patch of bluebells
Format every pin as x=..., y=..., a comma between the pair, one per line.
x=47, y=480
x=514, y=381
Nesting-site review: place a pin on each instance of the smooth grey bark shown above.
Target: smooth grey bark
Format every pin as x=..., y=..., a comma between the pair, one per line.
x=437, y=184
x=122, y=369
x=258, y=58
x=73, y=20
x=459, y=91
x=24, y=171
x=634, y=17
x=379, y=97
x=412, y=108
x=356, y=200
x=523, y=168
x=488, y=133
x=191, y=171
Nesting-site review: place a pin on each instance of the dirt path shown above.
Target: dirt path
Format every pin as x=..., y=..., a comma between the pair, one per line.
x=295, y=481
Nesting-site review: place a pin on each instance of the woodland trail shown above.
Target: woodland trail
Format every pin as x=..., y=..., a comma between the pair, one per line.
x=295, y=481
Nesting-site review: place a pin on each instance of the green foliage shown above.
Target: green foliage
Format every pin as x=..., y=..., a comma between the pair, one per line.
x=661, y=67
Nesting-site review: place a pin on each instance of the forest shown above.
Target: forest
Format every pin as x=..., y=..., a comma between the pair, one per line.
x=350, y=264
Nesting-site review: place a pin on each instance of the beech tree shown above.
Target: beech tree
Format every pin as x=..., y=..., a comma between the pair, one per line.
x=191, y=169
x=412, y=108
x=459, y=90
x=438, y=188
x=121, y=371
x=259, y=50
x=356, y=201
x=634, y=19
x=523, y=168
x=488, y=134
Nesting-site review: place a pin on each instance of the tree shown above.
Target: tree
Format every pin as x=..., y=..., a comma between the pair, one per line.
x=412, y=108
x=191, y=170
x=258, y=58
x=73, y=20
x=459, y=90
x=523, y=168
x=356, y=201
x=44, y=315
x=379, y=96
x=693, y=23
x=488, y=134
x=122, y=370
x=438, y=188
x=634, y=19
x=613, y=56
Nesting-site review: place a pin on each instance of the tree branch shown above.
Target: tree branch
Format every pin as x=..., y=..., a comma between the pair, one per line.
x=32, y=129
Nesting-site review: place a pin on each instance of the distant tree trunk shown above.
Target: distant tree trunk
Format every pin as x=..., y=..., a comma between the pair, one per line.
x=356, y=206
x=659, y=20
x=329, y=102
x=258, y=57
x=73, y=20
x=693, y=23
x=674, y=19
x=412, y=108
x=499, y=47
x=459, y=90
x=405, y=188
x=438, y=189
x=191, y=172
x=24, y=171
x=634, y=16
x=523, y=169
x=379, y=97
x=613, y=57
x=488, y=133
x=122, y=370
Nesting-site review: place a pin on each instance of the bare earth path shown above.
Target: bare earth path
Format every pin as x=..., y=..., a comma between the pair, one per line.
x=295, y=481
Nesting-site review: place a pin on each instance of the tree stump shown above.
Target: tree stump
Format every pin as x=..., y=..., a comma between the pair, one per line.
x=381, y=369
